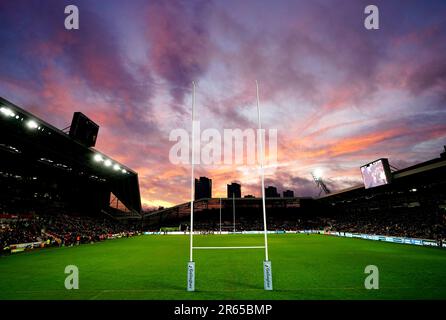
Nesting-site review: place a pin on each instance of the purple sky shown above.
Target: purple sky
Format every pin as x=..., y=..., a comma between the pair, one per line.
x=339, y=95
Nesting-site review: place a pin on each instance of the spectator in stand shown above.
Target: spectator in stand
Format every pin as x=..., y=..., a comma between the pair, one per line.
x=60, y=230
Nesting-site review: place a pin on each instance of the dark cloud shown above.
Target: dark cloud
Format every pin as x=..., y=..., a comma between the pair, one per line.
x=430, y=75
x=180, y=43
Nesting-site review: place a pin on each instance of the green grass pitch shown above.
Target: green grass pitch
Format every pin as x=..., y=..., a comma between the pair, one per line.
x=154, y=267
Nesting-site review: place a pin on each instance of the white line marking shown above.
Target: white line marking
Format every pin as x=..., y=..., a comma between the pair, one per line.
x=254, y=247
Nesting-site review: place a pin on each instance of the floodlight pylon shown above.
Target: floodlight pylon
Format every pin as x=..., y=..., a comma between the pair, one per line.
x=321, y=184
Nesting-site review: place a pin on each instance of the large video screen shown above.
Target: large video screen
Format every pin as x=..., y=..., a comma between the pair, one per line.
x=376, y=173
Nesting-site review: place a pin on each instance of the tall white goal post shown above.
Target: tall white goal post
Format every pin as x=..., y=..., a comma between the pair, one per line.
x=267, y=271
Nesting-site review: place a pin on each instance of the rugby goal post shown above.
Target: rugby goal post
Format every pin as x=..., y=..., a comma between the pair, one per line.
x=267, y=271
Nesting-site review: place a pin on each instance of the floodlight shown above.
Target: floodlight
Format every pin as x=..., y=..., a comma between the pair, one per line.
x=124, y=171
x=98, y=158
x=32, y=124
x=107, y=163
x=7, y=112
x=116, y=167
x=317, y=173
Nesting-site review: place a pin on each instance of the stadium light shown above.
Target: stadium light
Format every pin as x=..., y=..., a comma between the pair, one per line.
x=317, y=173
x=98, y=158
x=7, y=112
x=107, y=163
x=116, y=167
x=124, y=171
x=32, y=124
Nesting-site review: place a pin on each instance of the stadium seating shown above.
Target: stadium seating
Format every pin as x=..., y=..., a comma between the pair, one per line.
x=62, y=229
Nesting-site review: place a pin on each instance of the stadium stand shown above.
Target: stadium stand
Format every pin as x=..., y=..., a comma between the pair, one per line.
x=56, y=187
x=43, y=168
x=60, y=230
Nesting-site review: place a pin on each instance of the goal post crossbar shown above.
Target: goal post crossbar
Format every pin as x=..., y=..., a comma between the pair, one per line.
x=222, y=247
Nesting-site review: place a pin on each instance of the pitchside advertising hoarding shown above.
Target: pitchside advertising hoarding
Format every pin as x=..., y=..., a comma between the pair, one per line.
x=401, y=240
x=376, y=173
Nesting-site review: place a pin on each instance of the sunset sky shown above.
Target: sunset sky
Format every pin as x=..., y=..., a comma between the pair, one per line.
x=339, y=95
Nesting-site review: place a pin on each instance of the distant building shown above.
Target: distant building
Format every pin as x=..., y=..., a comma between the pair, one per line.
x=249, y=196
x=234, y=190
x=288, y=194
x=203, y=188
x=271, y=192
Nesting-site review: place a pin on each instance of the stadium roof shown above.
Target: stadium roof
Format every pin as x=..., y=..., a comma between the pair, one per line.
x=38, y=143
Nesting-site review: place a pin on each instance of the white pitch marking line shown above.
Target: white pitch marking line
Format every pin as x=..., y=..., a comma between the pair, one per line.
x=203, y=248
